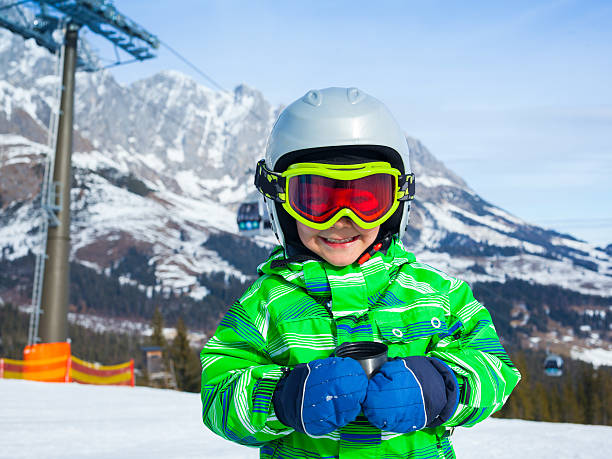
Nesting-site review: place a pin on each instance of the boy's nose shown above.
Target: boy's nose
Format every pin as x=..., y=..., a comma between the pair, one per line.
x=343, y=223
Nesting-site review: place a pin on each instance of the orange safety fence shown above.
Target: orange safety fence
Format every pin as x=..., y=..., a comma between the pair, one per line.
x=55, y=369
x=93, y=373
x=67, y=369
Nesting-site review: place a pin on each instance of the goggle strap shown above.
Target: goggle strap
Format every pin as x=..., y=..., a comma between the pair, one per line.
x=406, y=186
x=270, y=184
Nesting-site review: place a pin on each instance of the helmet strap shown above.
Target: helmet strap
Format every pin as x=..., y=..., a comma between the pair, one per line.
x=380, y=244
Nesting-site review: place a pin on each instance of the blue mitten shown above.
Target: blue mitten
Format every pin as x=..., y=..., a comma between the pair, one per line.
x=320, y=396
x=411, y=393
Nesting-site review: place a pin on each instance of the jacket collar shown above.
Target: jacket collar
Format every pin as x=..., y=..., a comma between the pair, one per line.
x=352, y=288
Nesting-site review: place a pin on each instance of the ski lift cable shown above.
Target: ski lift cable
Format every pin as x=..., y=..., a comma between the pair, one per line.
x=190, y=64
x=193, y=66
x=201, y=72
x=586, y=223
x=578, y=220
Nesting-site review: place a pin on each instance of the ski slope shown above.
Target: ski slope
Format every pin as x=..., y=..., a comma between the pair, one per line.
x=46, y=420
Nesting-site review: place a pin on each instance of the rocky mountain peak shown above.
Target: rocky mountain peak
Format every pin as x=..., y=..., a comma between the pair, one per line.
x=164, y=162
x=425, y=164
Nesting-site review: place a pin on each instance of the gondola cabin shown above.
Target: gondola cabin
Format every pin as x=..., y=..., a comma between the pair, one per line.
x=253, y=216
x=553, y=365
x=248, y=217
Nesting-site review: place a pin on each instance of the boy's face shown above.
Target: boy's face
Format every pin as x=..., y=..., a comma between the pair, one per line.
x=340, y=244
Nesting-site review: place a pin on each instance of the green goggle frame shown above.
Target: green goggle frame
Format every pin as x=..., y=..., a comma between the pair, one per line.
x=273, y=185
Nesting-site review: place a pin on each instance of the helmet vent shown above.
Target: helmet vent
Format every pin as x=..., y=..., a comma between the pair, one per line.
x=354, y=95
x=313, y=97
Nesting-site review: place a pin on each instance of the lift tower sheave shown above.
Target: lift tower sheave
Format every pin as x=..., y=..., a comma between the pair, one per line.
x=56, y=279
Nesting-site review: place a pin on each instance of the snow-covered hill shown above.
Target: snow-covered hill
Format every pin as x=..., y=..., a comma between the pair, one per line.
x=48, y=420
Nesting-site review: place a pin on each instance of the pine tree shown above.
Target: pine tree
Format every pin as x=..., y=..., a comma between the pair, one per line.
x=585, y=395
x=572, y=411
x=556, y=403
x=526, y=401
x=13, y=332
x=158, y=338
x=542, y=411
x=522, y=396
x=607, y=398
x=186, y=361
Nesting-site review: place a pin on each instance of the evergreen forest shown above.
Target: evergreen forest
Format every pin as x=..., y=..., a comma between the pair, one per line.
x=581, y=395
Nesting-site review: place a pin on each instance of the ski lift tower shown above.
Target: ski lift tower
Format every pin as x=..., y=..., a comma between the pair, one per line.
x=102, y=18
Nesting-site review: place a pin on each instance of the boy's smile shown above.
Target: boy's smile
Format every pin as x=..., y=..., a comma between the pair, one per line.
x=341, y=244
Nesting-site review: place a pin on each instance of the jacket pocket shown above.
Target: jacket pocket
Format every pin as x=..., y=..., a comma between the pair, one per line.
x=415, y=327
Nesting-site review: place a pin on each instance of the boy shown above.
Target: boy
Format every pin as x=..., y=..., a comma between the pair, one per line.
x=337, y=184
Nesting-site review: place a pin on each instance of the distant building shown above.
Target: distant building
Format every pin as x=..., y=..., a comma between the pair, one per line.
x=155, y=367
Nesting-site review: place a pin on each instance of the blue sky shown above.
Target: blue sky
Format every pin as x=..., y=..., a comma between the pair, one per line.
x=515, y=97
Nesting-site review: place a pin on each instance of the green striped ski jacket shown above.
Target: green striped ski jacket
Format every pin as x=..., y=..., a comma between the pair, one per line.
x=301, y=311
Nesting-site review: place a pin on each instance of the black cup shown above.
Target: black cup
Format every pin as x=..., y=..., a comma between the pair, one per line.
x=370, y=355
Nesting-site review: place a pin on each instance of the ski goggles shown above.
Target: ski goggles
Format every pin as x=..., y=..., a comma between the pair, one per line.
x=318, y=195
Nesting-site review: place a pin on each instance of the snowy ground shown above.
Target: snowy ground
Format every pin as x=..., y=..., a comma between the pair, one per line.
x=42, y=420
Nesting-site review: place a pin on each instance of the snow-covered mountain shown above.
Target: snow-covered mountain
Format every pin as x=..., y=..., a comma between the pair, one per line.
x=190, y=152
x=162, y=164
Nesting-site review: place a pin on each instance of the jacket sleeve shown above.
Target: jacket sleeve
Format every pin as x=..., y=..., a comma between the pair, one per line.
x=472, y=349
x=239, y=378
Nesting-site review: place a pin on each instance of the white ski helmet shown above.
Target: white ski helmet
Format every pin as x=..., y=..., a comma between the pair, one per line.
x=333, y=122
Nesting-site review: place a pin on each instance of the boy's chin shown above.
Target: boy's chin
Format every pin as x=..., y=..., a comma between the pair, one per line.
x=340, y=259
